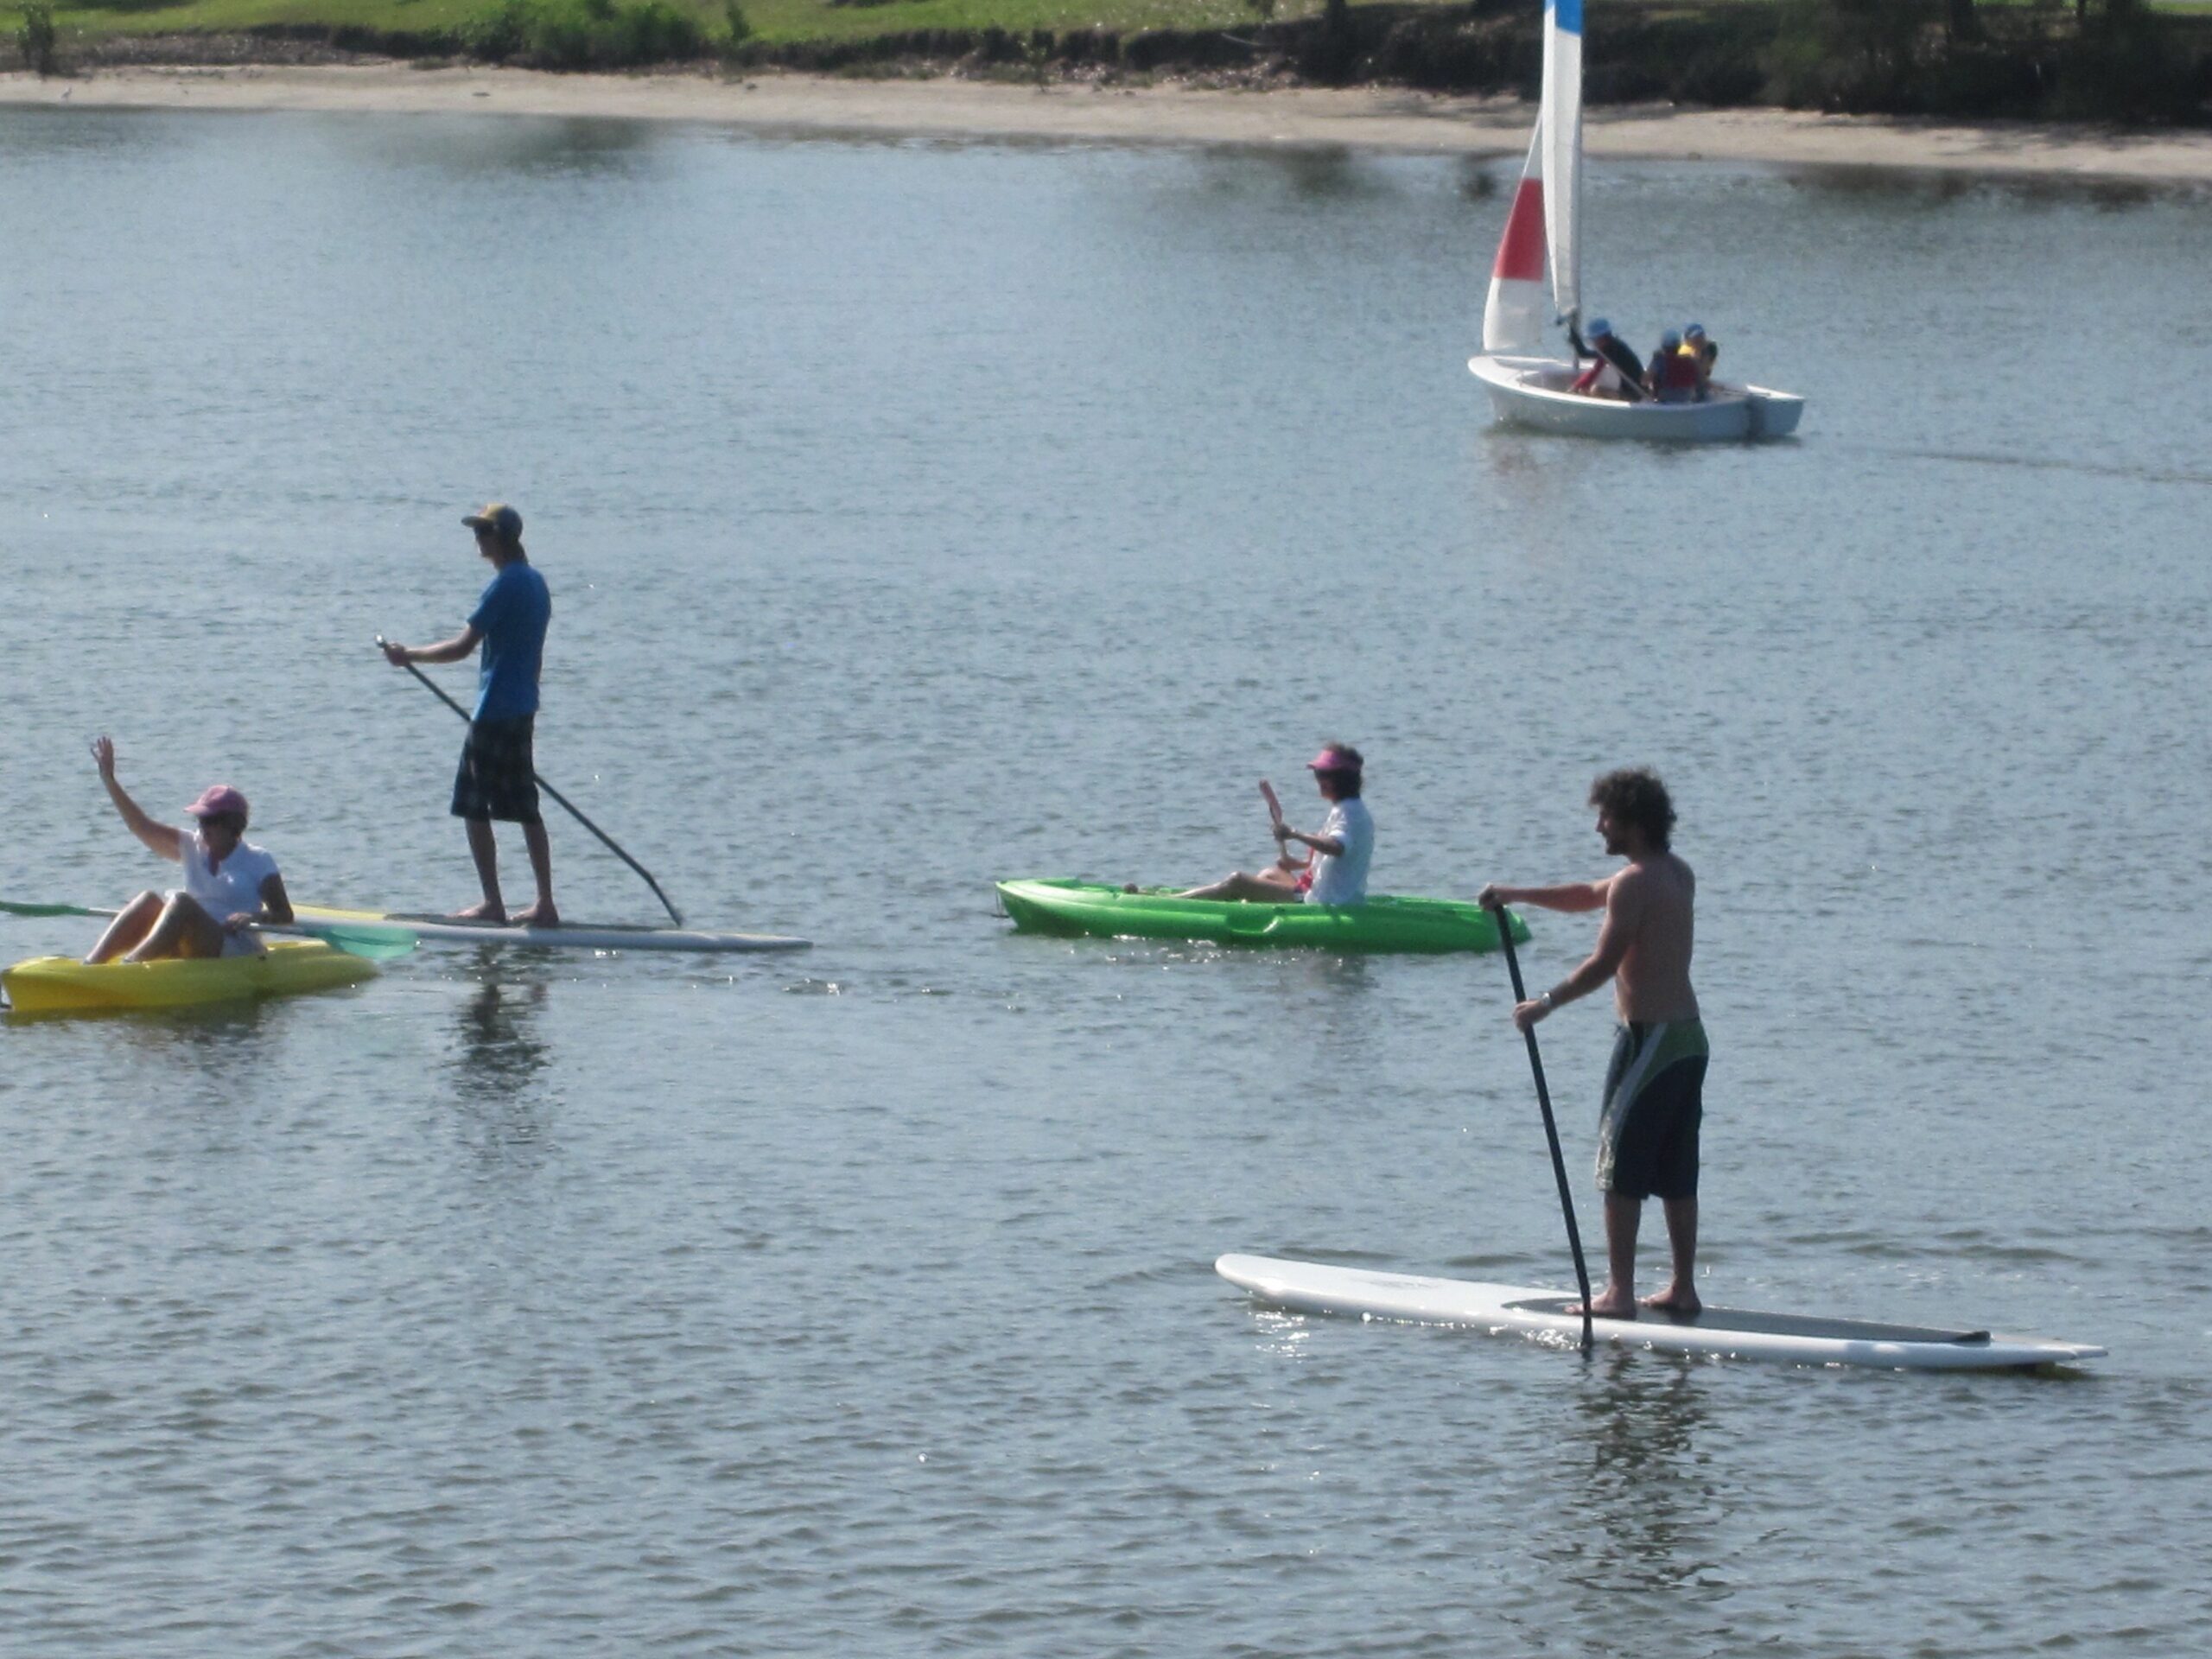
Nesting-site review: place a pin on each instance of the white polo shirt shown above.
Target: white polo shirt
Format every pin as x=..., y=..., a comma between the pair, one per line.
x=1341, y=878
x=224, y=891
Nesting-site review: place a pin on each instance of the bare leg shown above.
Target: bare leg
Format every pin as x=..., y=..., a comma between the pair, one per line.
x=131, y=924
x=486, y=852
x=1618, y=1299
x=182, y=929
x=1254, y=889
x=541, y=913
x=1680, y=1298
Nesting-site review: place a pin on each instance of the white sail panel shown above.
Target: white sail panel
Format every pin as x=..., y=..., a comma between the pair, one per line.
x=1560, y=131
x=1515, y=315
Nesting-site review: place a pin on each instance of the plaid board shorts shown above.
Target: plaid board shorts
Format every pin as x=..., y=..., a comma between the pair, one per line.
x=496, y=777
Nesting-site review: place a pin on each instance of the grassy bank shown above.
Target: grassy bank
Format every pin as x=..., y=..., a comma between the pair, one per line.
x=2107, y=60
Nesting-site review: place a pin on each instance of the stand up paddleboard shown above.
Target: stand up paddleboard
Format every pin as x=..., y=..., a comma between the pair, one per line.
x=1721, y=1332
x=401, y=926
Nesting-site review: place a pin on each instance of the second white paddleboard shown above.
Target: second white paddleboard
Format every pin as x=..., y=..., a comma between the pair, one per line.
x=1791, y=1339
x=450, y=930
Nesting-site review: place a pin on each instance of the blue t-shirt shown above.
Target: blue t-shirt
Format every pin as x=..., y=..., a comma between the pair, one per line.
x=512, y=615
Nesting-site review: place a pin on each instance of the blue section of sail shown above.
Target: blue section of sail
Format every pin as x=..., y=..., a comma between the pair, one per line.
x=1566, y=16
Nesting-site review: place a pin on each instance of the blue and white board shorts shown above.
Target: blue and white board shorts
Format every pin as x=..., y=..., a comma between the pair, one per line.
x=1654, y=1100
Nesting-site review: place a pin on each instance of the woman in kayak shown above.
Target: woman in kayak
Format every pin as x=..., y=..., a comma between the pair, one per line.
x=1335, y=871
x=230, y=885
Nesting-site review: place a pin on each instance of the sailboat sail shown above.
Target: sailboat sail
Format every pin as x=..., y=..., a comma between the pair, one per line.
x=1541, y=223
x=1515, y=315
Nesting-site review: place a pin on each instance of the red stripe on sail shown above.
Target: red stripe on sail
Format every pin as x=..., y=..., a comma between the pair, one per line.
x=1520, y=250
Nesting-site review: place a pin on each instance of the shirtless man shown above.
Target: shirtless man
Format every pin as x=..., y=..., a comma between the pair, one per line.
x=1647, y=1136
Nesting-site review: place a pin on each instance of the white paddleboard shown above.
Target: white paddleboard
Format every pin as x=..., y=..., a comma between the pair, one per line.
x=452, y=930
x=1315, y=1287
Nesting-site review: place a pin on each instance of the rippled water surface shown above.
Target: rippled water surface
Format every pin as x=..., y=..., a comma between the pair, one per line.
x=920, y=514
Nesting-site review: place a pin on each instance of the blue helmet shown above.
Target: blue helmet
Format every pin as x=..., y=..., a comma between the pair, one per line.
x=1670, y=341
x=1695, y=331
x=1600, y=328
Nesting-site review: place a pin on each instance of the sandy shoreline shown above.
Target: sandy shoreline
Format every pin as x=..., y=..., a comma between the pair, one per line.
x=1383, y=119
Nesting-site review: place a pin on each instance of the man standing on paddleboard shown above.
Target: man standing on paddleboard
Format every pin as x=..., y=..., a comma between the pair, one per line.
x=1647, y=1135
x=498, y=774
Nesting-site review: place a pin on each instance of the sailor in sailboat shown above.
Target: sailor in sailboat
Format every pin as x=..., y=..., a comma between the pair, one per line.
x=1616, y=370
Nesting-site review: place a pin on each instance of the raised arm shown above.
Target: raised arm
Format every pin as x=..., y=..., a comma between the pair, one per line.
x=161, y=839
x=446, y=650
x=1569, y=896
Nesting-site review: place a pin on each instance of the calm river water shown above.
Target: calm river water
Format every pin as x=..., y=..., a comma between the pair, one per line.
x=920, y=514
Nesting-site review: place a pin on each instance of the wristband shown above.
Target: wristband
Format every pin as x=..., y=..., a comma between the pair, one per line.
x=1546, y=1003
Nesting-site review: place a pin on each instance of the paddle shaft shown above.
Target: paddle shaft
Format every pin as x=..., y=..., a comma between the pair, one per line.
x=1551, y=1127
x=606, y=840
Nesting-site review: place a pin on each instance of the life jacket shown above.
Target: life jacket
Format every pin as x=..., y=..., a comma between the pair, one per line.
x=1677, y=371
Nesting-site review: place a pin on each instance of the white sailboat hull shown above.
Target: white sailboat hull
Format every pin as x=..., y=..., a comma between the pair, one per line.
x=1532, y=391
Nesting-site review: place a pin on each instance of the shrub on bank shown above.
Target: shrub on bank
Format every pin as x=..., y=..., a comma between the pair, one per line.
x=1920, y=57
x=584, y=34
x=37, y=41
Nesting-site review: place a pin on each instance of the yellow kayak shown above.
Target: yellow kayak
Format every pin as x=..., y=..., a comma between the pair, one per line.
x=65, y=985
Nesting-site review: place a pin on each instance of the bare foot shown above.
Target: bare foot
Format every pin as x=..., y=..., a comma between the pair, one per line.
x=485, y=911
x=1676, y=1302
x=1607, y=1307
x=538, y=915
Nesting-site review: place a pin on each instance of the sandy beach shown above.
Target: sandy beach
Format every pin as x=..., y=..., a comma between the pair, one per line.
x=1383, y=119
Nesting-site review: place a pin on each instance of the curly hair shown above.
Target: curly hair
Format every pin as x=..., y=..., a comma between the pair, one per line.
x=1634, y=795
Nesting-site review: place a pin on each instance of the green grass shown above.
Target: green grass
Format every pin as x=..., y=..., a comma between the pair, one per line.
x=772, y=20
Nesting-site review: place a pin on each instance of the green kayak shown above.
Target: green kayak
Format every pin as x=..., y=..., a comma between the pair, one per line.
x=1428, y=926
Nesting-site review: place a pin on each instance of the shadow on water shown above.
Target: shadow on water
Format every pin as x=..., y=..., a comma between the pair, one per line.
x=499, y=1052
x=1328, y=173
x=1483, y=178
x=499, y=1058
x=2035, y=464
x=1638, y=1515
x=1932, y=188
x=466, y=147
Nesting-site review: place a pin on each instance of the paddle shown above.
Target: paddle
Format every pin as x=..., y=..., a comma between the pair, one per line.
x=1274, y=811
x=606, y=840
x=379, y=945
x=1551, y=1129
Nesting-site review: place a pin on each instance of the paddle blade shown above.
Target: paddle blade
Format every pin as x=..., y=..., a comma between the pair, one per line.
x=1267, y=794
x=375, y=944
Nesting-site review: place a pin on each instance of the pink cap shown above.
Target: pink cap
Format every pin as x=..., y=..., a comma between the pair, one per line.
x=217, y=801
x=1331, y=760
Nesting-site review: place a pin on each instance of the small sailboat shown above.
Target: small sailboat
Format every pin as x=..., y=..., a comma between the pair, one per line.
x=1529, y=387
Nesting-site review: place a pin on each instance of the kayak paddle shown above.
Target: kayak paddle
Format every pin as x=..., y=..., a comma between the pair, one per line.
x=1551, y=1129
x=380, y=944
x=606, y=840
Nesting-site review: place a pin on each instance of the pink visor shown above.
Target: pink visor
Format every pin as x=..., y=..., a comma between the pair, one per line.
x=1330, y=760
x=217, y=801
